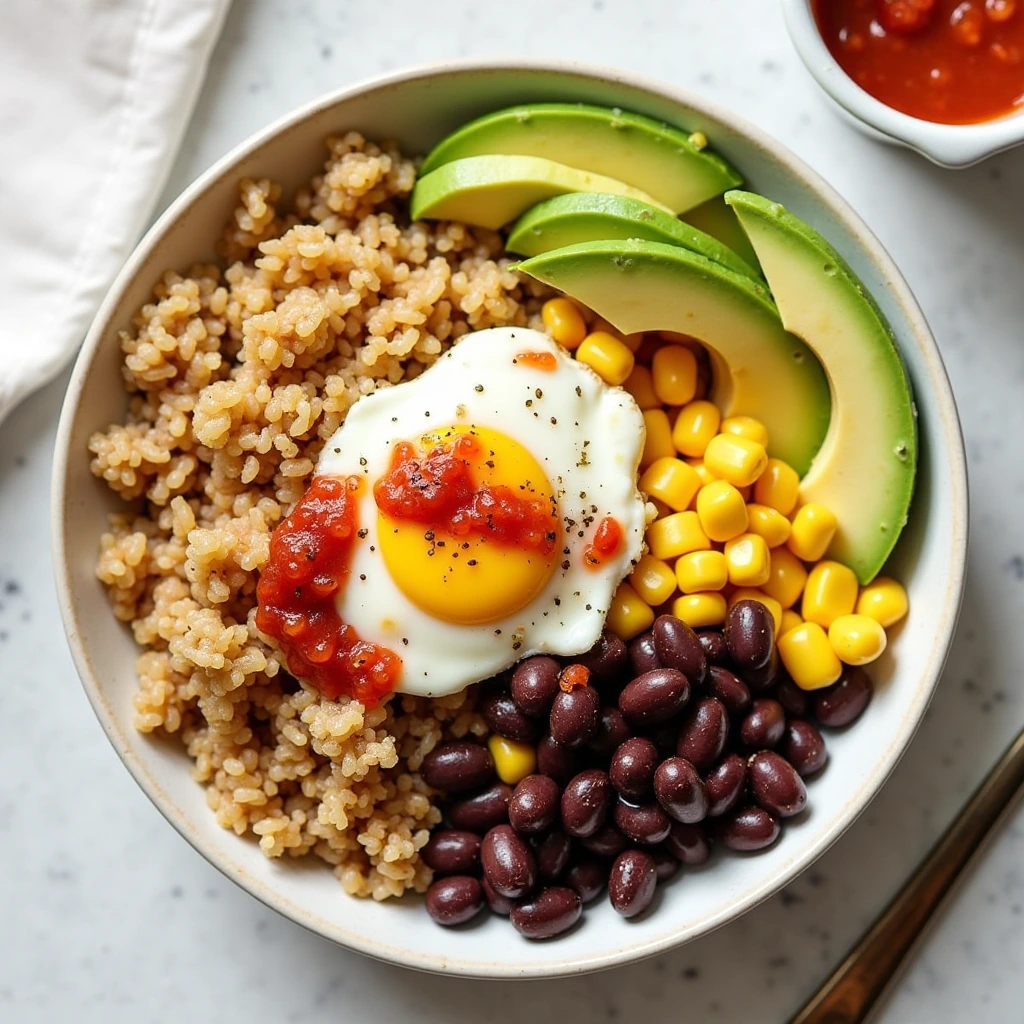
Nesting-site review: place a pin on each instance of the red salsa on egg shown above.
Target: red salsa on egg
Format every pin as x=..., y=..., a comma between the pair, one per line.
x=308, y=565
x=948, y=61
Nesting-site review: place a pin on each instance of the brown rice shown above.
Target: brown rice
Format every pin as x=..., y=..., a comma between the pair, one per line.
x=236, y=378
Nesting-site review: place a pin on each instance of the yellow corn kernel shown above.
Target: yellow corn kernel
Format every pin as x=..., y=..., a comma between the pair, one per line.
x=814, y=526
x=856, y=639
x=564, y=322
x=513, y=760
x=722, y=511
x=701, y=570
x=748, y=559
x=752, y=594
x=629, y=613
x=787, y=578
x=830, y=591
x=778, y=487
x=808, y=657
x=674, y=369
x=694, y=427
x=884, y=600
x=705, y=474
x=735, y=458
x=605, y=354
x=658, y=442
x=699, y=610
x=768, y=523
x=653, y=580
x=675, y=535
x=790, y=620
x=671, y=481
x=639, y=385
x=748, y=427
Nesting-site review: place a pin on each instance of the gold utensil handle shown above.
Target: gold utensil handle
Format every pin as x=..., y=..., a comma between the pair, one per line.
x=855, y=986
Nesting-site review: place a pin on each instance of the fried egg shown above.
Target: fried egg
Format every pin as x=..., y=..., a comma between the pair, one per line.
x=460, y=599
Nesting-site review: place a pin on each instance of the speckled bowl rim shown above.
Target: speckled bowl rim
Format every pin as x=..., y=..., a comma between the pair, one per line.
x=67, y=447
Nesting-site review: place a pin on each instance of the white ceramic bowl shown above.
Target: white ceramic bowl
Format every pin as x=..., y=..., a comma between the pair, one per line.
x=417, y=107
x=949, y=145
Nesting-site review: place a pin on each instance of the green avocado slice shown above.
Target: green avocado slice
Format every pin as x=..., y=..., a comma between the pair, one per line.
x=865, y=469
x=716, y=219
x=595, y=216
x=490, y=191
x=670, y=164
x=759, y=369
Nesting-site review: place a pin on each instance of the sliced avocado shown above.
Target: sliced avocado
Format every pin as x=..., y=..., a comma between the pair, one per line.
x=593, y=216
x=670, y=164
x=759, y=369
x=865, y=469
x=492, y=190
x=714, y=218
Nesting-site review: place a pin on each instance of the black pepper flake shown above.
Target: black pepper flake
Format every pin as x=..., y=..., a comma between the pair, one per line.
x=553, y=421
x=529, y=403
x=429, y=535
x=472, y=561
x=362, y=460
x=589, y=607
x=337, y=451
x=405, y=641
x=440, y=543
x=583, y=495
x=372, y=548
x=565, y=564
x=394, y=419
x=497, y=632
x=362, y=576
x=465, y=545
x=579, y=391
x=427, y=414
x=538, y=393
x=558, y=601
x=489, y=463
x=478, y=388
x=585, y=442
x=517, y=645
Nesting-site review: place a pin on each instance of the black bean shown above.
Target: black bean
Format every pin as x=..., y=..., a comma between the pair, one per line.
x=749, y=828
x=612, y=731
x=680, y=791
x=506, y=719
x=552, y=852
x=715, y=650
x=588, y=877
x=724, y=784
x=654, y=697
x=688, y=843
x=547, y=913
x=643, y=823
x=729, y=689
x=632, y=881
x=574, y=715
x=607, y=841
x=508, y=863
x=534, y=804
x=499, y=904
x=482, y=811
x=606, y=660
x=632, y=768
x=704, y=732
x=586, y=801
x=775, y=784
x=845, y=701
x=665, y=865
x=642, y=655
x=457, y=766
x=804, y=747
x=794, y=701
x=678, y=647
x=749, y=634
x=451, y=851
x=558, y=762
x=454, y=900
x=535, y=685
x=764, y=724
x=763, y=678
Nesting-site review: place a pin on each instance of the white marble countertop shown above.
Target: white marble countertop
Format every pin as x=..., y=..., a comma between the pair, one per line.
x=108, y=915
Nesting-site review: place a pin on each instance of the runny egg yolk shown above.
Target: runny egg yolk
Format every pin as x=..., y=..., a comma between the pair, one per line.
x=467, y=524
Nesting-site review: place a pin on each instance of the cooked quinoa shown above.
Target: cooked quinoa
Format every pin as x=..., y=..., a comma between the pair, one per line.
x=237, y=374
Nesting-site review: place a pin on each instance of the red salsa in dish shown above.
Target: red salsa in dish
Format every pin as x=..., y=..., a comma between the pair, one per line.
x=308, y=564
x=438, y=490
x=948, y=61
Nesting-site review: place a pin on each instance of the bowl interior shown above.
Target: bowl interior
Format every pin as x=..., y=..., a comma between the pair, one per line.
x=417, y=108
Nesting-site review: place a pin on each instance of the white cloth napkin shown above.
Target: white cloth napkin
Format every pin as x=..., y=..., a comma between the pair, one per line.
x=94, y=99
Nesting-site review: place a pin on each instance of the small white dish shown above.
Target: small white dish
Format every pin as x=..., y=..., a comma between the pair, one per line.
x=949, y=145
x=417, y=107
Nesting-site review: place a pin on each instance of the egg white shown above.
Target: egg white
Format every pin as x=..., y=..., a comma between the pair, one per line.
x=587, y=436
